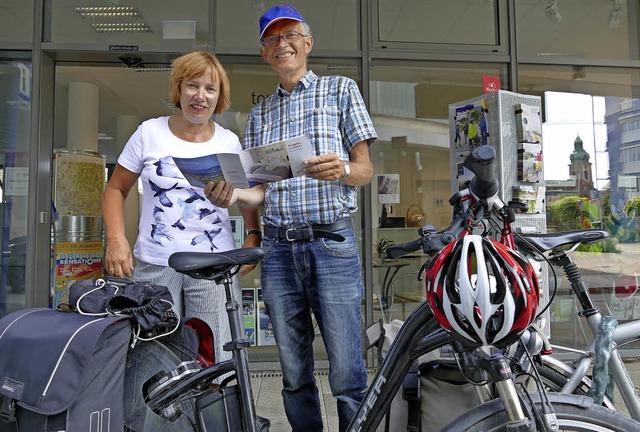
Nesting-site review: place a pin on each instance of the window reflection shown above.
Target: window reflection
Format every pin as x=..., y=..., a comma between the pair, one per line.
x=332, y=23
x=593, y=29
x=148, y=23
x=15, y=109
x=427, y=21
x=16, y=20
x=410, y=109
x=591, y=129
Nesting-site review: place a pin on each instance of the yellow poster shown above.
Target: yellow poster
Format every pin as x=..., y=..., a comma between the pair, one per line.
x=75, y=261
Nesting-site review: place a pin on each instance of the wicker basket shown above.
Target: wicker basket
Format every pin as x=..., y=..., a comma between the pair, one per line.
x=415, y=216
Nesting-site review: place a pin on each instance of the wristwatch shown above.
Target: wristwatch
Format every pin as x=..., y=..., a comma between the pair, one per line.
x=347, y=170
x=254, y=232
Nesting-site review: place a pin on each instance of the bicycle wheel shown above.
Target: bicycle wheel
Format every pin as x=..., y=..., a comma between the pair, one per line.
x=574, y=413
x=554, y=380
x=143, y=361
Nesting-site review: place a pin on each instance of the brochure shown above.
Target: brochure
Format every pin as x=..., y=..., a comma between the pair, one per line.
x=530, y=162
x=532, y=196
x=528, y=123
x=258, y=165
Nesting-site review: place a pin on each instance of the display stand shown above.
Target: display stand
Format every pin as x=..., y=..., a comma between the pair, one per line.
x=492, y=119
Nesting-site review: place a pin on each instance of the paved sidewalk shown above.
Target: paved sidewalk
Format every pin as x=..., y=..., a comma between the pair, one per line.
x=266, y=390
x=268, y=385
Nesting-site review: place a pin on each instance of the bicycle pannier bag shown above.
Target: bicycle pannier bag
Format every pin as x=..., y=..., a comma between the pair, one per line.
x=433, y=393
x=62, y=372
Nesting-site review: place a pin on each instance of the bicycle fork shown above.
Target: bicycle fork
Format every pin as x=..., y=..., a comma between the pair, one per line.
x=500, y=373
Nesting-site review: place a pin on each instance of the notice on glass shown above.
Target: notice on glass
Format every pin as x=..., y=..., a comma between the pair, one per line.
x=269, y=163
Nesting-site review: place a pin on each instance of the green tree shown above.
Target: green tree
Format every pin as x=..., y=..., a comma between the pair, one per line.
x=578, y=213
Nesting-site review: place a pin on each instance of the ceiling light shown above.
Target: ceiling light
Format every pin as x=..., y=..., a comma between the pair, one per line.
x=104, y=136
x=153, y=69
x=552, y=11
x=120, y=27
x=578, y=73
x=258, y=4
x=615, y=14
x=107, y=11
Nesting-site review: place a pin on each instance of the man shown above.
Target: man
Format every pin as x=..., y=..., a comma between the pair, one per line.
x=312, y=262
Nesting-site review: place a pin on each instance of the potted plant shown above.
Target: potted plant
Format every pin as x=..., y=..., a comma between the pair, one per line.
x=382, y=246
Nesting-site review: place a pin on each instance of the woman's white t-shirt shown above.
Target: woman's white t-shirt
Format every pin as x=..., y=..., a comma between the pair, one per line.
x=175, y=216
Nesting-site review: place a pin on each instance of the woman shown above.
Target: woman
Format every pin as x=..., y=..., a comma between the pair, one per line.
x=175, y=215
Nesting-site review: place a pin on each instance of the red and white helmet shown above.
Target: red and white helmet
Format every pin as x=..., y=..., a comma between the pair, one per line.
x=482, y=291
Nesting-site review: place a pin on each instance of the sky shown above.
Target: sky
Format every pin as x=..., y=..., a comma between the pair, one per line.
x=569, y=115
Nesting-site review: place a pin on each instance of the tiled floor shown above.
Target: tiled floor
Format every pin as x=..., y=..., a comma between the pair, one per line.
x=266, y=390
x=268, y=385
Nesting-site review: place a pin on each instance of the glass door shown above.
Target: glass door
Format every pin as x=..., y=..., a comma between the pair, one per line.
x=15, y=112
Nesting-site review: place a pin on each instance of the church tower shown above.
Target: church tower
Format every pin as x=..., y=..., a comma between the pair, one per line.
x=580, y=169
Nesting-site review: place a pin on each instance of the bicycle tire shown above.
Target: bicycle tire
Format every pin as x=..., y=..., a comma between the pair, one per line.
x=554, y=380
x=574, y=413
x=143, y=361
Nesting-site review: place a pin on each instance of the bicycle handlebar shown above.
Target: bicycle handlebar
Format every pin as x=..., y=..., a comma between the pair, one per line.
x=480, y=162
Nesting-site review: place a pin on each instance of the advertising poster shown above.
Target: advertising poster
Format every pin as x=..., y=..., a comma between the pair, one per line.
x=389, y=188
x=265, y=328
x=249, y=313
x=79, y=182
x=75, y=261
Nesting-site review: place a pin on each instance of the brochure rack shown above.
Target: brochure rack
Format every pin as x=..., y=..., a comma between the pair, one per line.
x=499, y=112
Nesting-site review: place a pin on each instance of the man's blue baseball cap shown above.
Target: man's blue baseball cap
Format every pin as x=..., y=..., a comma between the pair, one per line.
x=278, y=13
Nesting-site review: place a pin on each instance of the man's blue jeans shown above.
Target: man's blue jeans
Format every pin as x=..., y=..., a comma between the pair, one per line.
x=323, y=276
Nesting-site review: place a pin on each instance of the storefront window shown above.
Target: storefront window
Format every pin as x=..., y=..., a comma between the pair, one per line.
x=145, y=23
x=466, y=23
x=334, y=27
x=553, y=29
x=592, y=130
x=15, y=112
x=412, y=177
x=16, y=20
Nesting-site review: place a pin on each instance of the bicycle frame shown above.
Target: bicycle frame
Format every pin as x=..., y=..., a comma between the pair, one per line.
x=419, y=335
x=626, y=332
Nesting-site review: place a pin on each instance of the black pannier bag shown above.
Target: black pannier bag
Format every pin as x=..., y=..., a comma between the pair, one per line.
x=62, y=371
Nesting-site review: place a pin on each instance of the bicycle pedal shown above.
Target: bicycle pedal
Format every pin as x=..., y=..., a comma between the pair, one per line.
x=263, y=424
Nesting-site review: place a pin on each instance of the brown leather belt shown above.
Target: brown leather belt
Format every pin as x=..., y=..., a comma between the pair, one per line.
x=310, y=232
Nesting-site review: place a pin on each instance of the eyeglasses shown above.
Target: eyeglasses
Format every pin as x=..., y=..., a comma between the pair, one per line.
x=288, y=37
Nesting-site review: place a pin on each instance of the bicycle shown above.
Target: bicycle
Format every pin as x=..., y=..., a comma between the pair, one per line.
x=515, y=408
x=217, y=407
x=570, y=378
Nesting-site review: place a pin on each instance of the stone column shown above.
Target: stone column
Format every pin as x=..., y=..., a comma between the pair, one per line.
x=82, y=116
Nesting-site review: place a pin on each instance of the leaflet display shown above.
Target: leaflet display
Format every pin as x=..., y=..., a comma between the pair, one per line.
x=258, y=165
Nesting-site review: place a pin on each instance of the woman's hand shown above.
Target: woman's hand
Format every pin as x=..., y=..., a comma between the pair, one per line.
x=222, y=195
x=119, y=259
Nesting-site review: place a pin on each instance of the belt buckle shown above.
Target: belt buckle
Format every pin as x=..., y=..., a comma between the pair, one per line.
x=286, y=234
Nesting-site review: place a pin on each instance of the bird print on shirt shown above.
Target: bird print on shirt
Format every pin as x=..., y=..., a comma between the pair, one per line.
x=161, y=193
x=187, y=204
x=207, y=236
x=165, y=167
x=158, y=228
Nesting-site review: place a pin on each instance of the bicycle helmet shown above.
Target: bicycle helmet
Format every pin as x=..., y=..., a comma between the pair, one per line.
x=481, y=291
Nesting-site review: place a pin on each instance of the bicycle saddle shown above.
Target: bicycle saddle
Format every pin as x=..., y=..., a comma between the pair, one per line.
x=205, y=265
x=546, y=242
